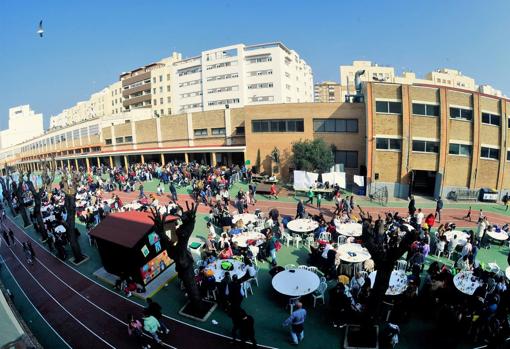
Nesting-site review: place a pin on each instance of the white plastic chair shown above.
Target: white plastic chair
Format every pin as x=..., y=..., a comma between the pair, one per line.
x=341, y=239
x=313, y=269
x=401, y=265
x=289, y=266
x=246, y=287
x=319, y=293
x=325, y=236
x=292, y=302
x=296, y=239
x=305, y=267
x=309, y=240
x=287, y=238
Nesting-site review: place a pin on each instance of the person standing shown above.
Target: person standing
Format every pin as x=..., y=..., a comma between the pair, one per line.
x=151, y=326
x=412, y=206
x=142, y=194
x=31, y=249
x=296, y=321
x=309, y=194
x=439, y=207
x=154, y=309
x=6, y=237
x=300, y=210
x=11, y=235
x=319, y=199
x=420, y=216
x=173, y=192
x=245, y=324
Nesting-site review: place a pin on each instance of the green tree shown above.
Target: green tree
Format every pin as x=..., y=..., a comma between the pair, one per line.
x=311, y=155
x=258, y=162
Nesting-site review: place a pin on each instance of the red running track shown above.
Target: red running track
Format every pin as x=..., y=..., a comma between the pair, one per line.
x=84, y=313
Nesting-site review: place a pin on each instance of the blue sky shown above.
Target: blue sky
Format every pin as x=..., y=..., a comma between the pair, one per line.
x=88, y=43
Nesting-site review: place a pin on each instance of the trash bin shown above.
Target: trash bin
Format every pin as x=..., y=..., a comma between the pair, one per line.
x=488, y=195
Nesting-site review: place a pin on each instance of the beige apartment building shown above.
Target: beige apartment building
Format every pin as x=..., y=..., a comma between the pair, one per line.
x=327, y=92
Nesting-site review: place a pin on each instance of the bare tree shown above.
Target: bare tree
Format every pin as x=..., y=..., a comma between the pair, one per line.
x=178, y=250
x=17, y=189
x=70, y=205
x=38, y=193
x=6, y=189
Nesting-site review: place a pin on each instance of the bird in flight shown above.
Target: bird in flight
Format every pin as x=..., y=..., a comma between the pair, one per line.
x=40, y=30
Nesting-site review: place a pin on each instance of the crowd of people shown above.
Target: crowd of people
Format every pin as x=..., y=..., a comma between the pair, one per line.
x=430, y=290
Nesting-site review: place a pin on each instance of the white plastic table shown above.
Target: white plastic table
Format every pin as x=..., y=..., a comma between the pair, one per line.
x=466, y=283
x=219, y=273
x=295, y=282
x=500, y=236
x=353, y=253
x=302, y=225
x=461, y=236
x=349, y=229
x=398, y=282
x=243, y=238
x=247, y=218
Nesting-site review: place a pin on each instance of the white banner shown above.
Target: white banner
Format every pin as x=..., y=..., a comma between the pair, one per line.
x=340, y=179
x=359, y=181
x=304, y=180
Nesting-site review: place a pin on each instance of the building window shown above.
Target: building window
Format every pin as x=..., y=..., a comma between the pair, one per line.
x=201, y=132
x=460, y=149
x=387, y=107
x=218, y=131
x=161, y=100
x=119, y=140
x=240, y=131
x=128, y=139
x=508, y=155
x=335, y=125
x=155, y=101
x=348, y=158
x=293, y=125
x=167, y=88
x=388, y=144
x=425, y=109
x=461, y=113
x=490, y=119
x=489, y=153
x=160, y=78
x=425, y=146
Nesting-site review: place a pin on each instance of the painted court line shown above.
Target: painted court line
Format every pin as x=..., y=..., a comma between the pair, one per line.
x=111, y=291
x=55, y=300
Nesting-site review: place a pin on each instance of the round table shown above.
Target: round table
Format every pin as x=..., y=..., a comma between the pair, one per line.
x=247, y=218
x=219, y=274
x=302, y=225
x=353, y=253
x=500, y=236
x=466, y=283
x=349, y=229
x=398, y=282
x=243, y=238
x=295, y=282
x=461, y=236
x=507, y=273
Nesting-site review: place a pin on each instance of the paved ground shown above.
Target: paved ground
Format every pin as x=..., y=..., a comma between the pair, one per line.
x=88, y=315
x=84, y=313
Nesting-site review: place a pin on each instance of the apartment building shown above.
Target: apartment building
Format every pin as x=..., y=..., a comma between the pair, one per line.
x=452, y=78
x=240, y=75
x=24, y=124
x=327, y=92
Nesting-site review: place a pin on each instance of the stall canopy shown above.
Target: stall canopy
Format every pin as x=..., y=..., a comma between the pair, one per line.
x=125, y=228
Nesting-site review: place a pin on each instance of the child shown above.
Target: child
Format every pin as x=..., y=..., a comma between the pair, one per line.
x=159, y=189
x=319, y=198
x=135, y=330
